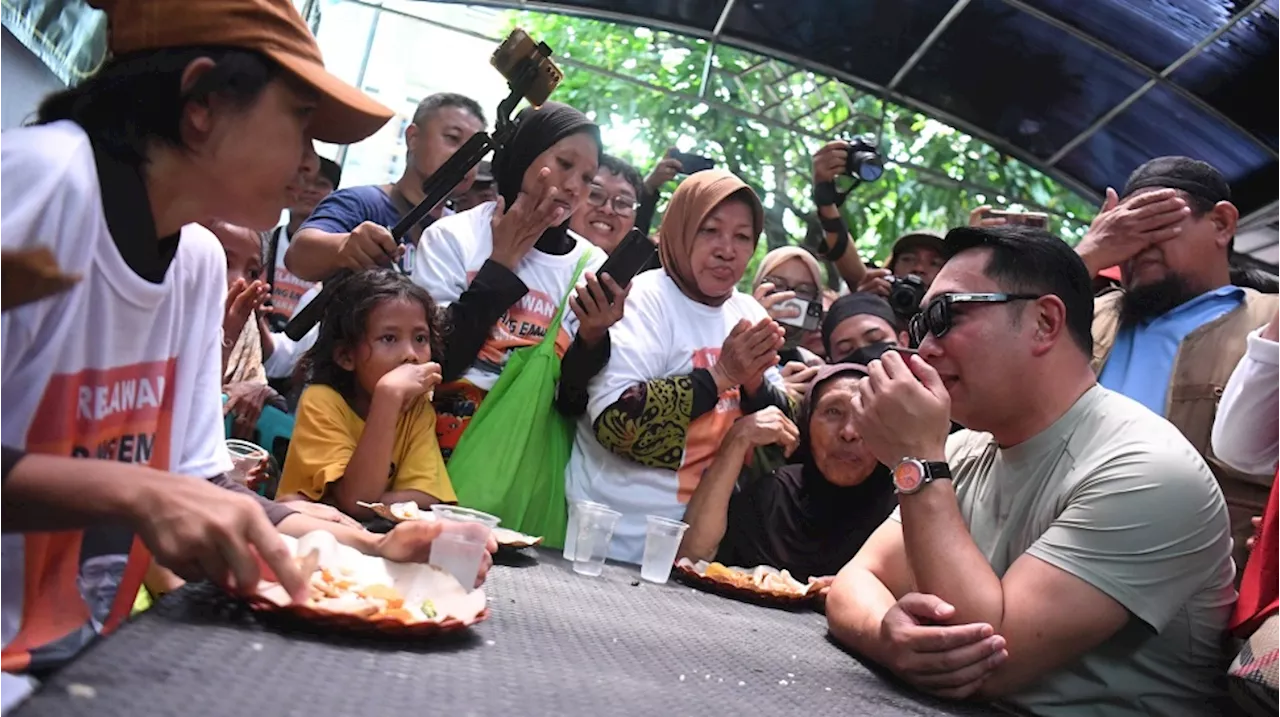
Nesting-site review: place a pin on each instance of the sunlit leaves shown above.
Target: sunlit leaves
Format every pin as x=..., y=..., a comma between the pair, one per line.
x=762, y=120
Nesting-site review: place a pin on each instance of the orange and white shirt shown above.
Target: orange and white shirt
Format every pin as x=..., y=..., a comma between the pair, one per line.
x=116, y=368
x=286, y=288
x=663, y=334
x=450, y=254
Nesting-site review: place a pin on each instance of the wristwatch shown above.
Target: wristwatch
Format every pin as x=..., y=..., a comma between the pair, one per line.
x=912, y=475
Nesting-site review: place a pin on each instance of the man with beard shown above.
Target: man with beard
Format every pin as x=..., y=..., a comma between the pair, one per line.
x=1172, y=336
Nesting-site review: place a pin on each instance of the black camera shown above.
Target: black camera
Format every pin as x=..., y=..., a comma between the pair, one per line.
x=864, y=161
x=905, y=295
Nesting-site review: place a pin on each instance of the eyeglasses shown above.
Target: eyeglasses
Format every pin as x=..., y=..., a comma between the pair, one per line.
x=623, y=205
x=808, y=292
x=937, y=316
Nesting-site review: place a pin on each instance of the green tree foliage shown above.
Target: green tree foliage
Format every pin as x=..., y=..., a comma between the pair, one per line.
x=762, y=119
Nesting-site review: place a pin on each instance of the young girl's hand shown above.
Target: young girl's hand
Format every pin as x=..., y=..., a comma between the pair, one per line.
x=408, y=381
x=242, y=300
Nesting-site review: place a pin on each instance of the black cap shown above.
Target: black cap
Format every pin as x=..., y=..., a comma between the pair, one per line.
x=331, y=171
x=855, y=304
x=1199, y=179
x=911, y=240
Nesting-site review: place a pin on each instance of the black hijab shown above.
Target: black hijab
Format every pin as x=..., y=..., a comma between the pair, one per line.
x=795, y=518
x=537, y=129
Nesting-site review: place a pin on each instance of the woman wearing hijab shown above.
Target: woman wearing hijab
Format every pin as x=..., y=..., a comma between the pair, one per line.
x=501, y=269
x=691, y=356
x=809, y=517
x=784, y=274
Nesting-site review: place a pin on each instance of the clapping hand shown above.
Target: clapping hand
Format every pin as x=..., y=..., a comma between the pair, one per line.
x=747, y=353
x=243, y=299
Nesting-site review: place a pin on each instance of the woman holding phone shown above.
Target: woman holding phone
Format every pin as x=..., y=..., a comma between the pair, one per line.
x=691, y=355
x=501, y=269
x=788, y=285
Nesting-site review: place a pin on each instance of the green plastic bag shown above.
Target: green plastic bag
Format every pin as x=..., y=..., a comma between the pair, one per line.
x=510, y=462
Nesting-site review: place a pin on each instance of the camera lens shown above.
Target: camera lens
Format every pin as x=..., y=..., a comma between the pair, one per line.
x=866, y=166
x=864, y=162
x=905, y=295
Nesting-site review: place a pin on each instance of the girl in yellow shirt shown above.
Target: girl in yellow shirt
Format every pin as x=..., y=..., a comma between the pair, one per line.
x=365, y=430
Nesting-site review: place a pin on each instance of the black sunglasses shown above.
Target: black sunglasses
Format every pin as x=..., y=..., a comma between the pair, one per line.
x=936, y=317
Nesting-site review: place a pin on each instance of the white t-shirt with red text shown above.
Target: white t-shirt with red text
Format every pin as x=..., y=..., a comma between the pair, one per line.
x=663, y=334
x=286, y=288
x=116, y=368
x=451, y=252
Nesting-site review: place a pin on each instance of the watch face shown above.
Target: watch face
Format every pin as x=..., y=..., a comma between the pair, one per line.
x=908, y=476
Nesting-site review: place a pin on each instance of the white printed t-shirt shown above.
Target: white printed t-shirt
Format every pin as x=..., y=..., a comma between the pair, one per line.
x=451, y=252
x=286, y=288
x=116, y=368
x=663, y=334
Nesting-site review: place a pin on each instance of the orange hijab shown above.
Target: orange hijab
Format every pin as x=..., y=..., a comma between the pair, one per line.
x=692, y=201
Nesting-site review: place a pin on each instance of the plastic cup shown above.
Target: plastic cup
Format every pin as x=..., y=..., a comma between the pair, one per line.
x=245, y=456
x=595, y=531
x=661, y=543
x=460, y=547
x=571, y=530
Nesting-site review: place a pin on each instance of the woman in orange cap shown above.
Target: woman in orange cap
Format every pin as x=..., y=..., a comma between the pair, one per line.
x=112, y=416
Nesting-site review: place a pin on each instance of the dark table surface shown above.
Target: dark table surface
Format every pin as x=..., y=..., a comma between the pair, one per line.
x=556, y=643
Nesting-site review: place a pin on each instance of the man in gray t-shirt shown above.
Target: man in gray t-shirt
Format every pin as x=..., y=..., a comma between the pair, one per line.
x=1071, y=553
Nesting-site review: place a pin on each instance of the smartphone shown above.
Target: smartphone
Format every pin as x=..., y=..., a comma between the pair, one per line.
x=690, y=163
x=1039, y=220
x=809, y=318
x=518, y=49
x=632, y=254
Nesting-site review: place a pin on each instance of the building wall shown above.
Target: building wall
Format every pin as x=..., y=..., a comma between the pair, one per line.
x=24, y=81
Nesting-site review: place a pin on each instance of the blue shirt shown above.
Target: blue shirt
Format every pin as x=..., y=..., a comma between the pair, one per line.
x=1141, y=361
x=345, y=209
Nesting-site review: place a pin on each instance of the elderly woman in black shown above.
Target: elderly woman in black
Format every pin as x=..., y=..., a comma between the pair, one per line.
x=808, y=517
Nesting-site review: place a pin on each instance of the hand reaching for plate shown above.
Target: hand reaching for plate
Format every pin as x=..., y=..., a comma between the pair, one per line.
x=410, y=542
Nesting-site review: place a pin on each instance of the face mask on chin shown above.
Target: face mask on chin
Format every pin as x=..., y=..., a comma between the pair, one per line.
x=867, y=354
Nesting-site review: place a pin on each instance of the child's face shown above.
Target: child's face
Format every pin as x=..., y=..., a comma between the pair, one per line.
x=396, y=333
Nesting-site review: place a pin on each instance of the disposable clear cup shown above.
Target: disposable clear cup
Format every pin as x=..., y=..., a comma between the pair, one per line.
x=245, y=456
x=460, y=547
x=595, y=531
x=571, y=530
x=661, y=542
